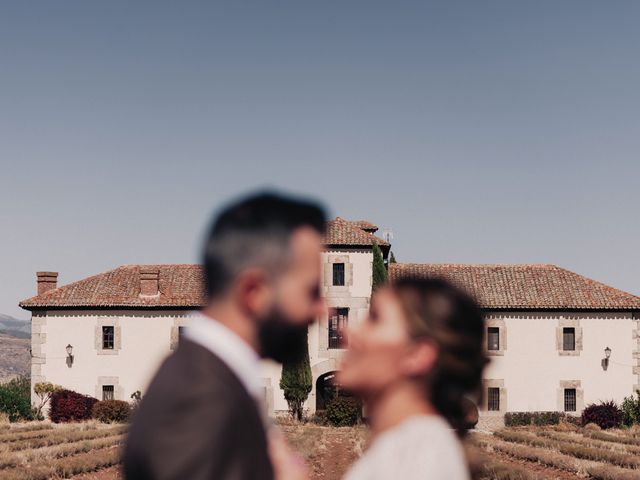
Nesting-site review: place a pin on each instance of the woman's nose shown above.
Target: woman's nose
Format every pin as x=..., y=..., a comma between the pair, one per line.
x=353, y=331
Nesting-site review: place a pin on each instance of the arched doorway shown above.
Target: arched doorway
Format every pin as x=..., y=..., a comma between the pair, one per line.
x=326, y=389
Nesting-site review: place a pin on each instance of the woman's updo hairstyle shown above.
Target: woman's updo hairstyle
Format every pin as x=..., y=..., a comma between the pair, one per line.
x=437, y=310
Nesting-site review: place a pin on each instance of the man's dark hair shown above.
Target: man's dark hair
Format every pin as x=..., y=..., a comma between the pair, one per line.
x=255, y=232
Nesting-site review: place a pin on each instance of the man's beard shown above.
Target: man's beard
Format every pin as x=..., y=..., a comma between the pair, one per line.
x=280, y=340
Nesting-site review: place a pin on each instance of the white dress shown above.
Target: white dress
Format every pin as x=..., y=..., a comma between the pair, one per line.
x=422, y=447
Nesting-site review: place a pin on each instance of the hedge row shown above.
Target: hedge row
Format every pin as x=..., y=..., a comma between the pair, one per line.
x=604, y=414
x=523, y=419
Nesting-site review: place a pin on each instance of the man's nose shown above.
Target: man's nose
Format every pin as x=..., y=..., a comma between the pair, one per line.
x=321, y=308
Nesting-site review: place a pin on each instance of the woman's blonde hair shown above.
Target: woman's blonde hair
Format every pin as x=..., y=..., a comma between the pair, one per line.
x=450, y=318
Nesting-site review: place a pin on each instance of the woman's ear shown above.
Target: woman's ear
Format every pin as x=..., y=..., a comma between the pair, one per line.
x=421, y=358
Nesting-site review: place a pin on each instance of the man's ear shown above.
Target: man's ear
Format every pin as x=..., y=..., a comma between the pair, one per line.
x=253, y=292
x=421, y=358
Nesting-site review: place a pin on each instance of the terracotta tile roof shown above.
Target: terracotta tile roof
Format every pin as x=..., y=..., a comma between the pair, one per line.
x=180, y=286
x=495, y=287
x=347, y=233
x=524, y=286
x=365, y=225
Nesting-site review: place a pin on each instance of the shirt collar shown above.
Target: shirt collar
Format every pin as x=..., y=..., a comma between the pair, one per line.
x=243, y=361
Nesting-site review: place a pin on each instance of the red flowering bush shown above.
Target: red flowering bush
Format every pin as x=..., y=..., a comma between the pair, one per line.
x=70, y=406
x=604, y=414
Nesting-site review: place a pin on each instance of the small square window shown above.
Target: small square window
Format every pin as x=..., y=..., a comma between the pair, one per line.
x=493, y=338
x=338, y=274
x=108, y=392
x=108, y=337
x=493, y=399
x=570, y=400
x=569, y=338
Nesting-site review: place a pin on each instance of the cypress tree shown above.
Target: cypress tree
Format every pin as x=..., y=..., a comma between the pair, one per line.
x=379, y=270
x=296, y=382
x=392, y=258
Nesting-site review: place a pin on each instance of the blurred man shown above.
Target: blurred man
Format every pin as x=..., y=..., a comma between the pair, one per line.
x=200, y=418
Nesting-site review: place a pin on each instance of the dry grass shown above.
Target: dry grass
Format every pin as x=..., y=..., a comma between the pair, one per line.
x=590, y=441
x=327, y=451
x=543, y=456
x=44, y=451
x=24, y=427
x=611, y=437
x=493, y=469
x=609, y=472
x=42, y=455
x=65, y=467
x=571, y=448
x=60, y=436
x=17, y=434
x=40, y=451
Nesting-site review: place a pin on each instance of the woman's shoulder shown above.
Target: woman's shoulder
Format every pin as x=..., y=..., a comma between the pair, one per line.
x=420, y=447
x=423, y=431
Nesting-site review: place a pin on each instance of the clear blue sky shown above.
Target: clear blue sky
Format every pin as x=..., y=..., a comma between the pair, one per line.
x=480, y=132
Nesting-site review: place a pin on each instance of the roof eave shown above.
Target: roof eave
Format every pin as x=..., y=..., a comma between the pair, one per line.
x=111, y=307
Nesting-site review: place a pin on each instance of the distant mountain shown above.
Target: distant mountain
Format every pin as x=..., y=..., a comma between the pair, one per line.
x=15, y=327
x=14, y=357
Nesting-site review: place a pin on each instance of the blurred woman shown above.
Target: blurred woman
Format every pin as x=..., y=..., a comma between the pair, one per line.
x=416, y=362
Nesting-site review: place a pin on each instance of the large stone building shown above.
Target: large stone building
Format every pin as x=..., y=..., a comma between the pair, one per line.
x=120, y=324
x=557, y=340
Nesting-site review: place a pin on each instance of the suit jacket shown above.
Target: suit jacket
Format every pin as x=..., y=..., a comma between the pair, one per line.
x=196, y=422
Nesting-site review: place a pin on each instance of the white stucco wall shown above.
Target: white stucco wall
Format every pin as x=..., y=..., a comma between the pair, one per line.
x=532, y=368
x=146, y=339
x=145, y=342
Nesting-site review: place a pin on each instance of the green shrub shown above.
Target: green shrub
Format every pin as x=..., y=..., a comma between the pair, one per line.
x=572, y=420
x=15, y=399
x=604, y=414
x=319, y=418
x=343, y=411
x=523, y=419
x=631, y=410
x=547, y=418
x=110, y=411
x=517, y=419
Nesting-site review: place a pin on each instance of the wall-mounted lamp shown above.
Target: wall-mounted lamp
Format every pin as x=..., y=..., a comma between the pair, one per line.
x=69, y=355
x=605, y=360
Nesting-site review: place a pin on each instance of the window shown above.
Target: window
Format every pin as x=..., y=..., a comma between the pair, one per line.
x=107, y=392
x=569, y=338
x=108, y=337
x=493, y=399
x=338, y=274
x=493, y=338
x=338, y=318
x=569, y=399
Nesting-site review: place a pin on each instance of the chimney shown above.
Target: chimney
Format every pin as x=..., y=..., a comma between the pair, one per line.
x=47, y=281
x=149, y=281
